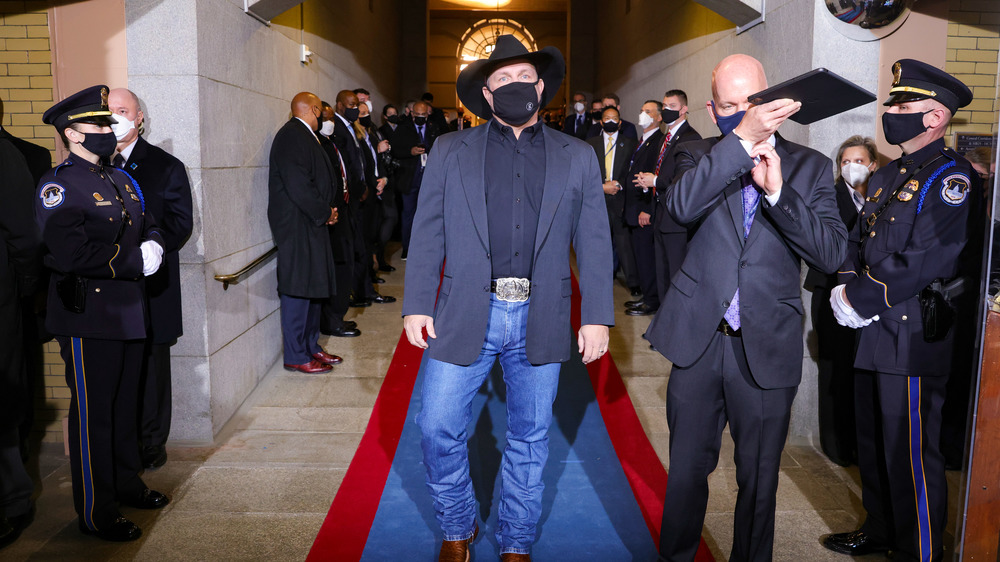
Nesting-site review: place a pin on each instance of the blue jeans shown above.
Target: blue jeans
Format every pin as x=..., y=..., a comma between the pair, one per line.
x=444, y=420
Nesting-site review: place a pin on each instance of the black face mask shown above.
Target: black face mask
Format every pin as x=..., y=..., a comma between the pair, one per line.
x=669, y=115
x=419, y=121
x=365, y=121
x=351, y=114
x=609, y=126
x=596, y=115
x=394, y=119
x=515, y=103
x=101, y=144
x=901, y=127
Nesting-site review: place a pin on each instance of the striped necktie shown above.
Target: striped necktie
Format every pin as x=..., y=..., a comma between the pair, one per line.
x=609, y=158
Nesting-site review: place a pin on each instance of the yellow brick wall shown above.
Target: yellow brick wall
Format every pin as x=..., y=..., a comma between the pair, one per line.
x=26, y=90
x=973, y=45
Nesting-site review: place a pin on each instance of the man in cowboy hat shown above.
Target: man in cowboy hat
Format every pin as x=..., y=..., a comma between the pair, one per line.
x=500, y=205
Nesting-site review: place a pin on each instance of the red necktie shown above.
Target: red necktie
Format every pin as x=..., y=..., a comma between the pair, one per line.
x=663, y=150
x=659, y=160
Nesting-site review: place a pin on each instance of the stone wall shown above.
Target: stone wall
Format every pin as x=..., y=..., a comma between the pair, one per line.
x=215, y=90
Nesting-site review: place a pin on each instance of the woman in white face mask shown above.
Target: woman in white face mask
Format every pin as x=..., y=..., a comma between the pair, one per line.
x=857, y=159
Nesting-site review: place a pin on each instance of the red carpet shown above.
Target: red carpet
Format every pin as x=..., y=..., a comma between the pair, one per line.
x=346, y=527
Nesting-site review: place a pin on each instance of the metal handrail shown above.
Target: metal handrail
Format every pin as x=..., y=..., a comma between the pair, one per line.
x=234, y=278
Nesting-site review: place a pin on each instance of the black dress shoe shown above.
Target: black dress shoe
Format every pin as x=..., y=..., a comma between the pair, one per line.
x=153, y=456
x=360, y=303
x=641, y=310
x=350, y=324
x=634, y=291
x=386, y=268
x=633, y=304
x=344, y=332
x=383, y=299
x=378, y=280
x=854, y=543
x=149, y=499
x=120, y=530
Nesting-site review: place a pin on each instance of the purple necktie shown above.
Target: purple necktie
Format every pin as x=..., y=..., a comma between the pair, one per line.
x=751, y=198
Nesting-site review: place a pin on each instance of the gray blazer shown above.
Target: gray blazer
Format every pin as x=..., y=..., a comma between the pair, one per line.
x=450, y=228
x=803, y=225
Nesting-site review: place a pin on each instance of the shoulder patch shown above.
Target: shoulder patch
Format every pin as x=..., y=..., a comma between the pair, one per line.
x=52, y=195
x=955, y=189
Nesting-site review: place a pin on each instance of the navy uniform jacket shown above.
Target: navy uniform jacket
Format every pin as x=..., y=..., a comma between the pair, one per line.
x=167, y=192
x=919, y=237
x=450, y=228
x=803, y=225
x=79, y=214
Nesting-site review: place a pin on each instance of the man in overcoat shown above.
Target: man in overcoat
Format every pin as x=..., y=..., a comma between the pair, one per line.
x=299, y=209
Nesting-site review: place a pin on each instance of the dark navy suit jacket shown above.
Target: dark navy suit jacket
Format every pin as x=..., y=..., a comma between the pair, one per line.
x=804, y=224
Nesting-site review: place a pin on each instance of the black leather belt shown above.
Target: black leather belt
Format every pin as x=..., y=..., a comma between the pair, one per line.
x=728, y=330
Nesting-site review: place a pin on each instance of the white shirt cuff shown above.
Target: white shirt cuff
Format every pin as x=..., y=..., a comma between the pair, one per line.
x=772, y=199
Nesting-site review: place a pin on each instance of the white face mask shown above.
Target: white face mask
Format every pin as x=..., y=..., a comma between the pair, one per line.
x=122, y=126
x=645, y=120
x=578, y=107
x=369, y=104
x=327, y=128
x=855, y=174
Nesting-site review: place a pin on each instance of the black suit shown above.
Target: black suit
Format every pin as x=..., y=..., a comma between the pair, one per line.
x=342, y=244
x=624, y=147
x=644, y=160
x=835, y=354
x=20, y=264
x=167, y=191
x=669, y=238
x=39, y=158
x=300, y=196
x=360, y=185
x=749, y=379
x=578, y=130
x=410, y=171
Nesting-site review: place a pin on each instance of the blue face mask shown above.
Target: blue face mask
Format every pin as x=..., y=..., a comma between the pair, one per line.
x=727, y=123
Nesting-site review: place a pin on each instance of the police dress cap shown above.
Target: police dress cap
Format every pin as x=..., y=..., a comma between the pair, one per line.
x=86, y=106
x=913, y=80
x=548, y=62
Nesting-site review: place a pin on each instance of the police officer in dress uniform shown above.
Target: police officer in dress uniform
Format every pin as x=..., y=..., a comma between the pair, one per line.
x=913, y=245
x=100, y=244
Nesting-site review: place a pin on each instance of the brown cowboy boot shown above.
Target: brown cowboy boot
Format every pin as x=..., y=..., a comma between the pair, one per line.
x=515, y=557
x=457, y=551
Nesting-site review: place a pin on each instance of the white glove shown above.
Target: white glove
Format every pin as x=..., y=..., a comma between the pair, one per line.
x=844, y=313
x=152, y=257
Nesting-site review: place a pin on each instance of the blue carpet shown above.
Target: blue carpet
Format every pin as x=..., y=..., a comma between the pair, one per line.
x=588, y=509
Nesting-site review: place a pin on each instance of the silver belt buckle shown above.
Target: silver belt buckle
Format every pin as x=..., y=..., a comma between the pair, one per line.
x=513, y=289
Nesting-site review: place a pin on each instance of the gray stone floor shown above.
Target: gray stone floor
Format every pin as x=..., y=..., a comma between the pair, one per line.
x=262, y=490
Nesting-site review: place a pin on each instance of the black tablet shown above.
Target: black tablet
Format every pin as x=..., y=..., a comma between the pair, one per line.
x=822, y=93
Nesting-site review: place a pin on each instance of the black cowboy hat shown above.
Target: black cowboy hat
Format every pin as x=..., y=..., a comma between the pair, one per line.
x=548, y=62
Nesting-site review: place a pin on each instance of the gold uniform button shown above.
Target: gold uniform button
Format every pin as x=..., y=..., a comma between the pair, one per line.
x=871, y=234
x=97, y=290
x=902, y=170
x=892, y=219
x=904, y=317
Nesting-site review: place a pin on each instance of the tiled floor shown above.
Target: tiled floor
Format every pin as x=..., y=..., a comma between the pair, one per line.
x=262, y=491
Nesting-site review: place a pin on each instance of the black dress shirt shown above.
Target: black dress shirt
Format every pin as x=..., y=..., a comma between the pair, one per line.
x=515, y=176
